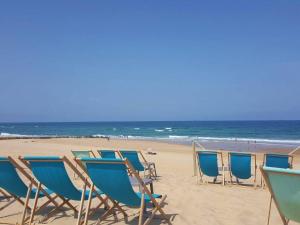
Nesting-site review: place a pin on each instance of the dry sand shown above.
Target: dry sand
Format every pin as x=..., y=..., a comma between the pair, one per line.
x=187, y=202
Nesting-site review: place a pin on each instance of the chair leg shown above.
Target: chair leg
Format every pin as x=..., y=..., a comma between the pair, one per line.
x=155, y=170
x=269, y=212
x=142, y=209
x=81, y=204
x=54, y=210
x=26, y=203
x=158, y=208
x=110, y=211
x=35, y=203
x=87, y=211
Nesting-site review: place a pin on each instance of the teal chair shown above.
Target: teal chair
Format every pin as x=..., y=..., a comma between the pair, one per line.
x=209, y=166
x=83, y=153
x=11, y=182
x=240, y=166
x=107, y=154
x=51, y=172
x=138, y=165
x=284, y=161
x=284, y=186
x=110, y=175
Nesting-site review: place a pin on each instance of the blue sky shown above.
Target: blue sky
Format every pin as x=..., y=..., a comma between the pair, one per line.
x=149, y=60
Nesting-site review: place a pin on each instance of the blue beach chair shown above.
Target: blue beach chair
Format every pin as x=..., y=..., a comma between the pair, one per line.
x=110, y=175
x=278, y=160
x=133, y=157
x=11, y=182
x=51, y=172
x=107, y=154
x=208, y=165
x=284, y=187
x=83, y=153
x=282, y=161
x=240, y=166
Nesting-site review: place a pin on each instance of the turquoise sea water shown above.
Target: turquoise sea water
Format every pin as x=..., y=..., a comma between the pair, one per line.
x=261, y=131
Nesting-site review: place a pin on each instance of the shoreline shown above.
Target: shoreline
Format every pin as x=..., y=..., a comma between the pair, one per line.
x=226, y=146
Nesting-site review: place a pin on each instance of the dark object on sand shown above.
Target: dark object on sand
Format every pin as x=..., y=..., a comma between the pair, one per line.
x=151, y=153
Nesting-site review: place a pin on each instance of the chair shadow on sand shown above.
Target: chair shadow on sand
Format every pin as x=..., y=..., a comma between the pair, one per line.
x=132, y=218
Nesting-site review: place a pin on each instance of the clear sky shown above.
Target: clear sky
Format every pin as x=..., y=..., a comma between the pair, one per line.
x=149, y=60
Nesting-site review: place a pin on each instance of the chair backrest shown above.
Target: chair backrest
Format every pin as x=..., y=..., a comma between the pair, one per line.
x=107, y=154
x=284, y=185
x=10, y=180
x=51, y=172
x=82, y=153
x=277, y=160
x=208, y=163
x=240, y=165
x=133, y=158
x=111, y=177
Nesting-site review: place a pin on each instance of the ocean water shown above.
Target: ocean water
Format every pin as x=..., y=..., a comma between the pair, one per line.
x=272, y=132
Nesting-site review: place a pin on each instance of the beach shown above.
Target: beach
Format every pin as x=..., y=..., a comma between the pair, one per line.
x=187, y=201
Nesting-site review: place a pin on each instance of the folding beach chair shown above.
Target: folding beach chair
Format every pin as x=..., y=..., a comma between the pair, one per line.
x=284, y=187
x=110, y=175
x=11, y=182
x=282, y=161
x=133, y=157
x=107, y=154
x=51, y=172
x=208, y=165
x=240, y=166
x=82, y=154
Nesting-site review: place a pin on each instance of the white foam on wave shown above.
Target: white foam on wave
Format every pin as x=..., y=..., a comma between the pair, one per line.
x=12, y=135
x=158, y=130
x=168, y=128
x=178, y=137
x=257, y=140
x=136, y=128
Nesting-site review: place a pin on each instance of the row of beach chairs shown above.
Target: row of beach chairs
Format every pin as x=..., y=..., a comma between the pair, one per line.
x=137, y=159
x=282, y=181
x=105, y=180
x=242, y=166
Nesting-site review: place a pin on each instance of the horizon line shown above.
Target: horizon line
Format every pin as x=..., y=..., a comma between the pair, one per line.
x=140, y=121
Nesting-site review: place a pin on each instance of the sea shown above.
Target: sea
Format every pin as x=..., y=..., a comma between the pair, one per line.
x=244, y=135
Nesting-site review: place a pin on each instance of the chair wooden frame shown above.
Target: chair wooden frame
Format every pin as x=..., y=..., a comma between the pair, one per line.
x=115, y=204
x=254, y=161
x=89, y=151
x=86, y=184
x=283, y=219
x=200, y=174
x=32, y=182
x=146, y=164
x=145, y=190
x=291, y=160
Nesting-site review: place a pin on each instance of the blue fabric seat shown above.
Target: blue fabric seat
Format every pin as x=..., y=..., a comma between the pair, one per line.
x=240, y=165
x=133, y=158
x=277, y=160
x=107, y=154
x=208, y=164
x=110, y=175
x=12, y=183
x=51, y=172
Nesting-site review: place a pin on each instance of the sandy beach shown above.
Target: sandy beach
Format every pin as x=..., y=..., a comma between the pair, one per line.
x=187, y=201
